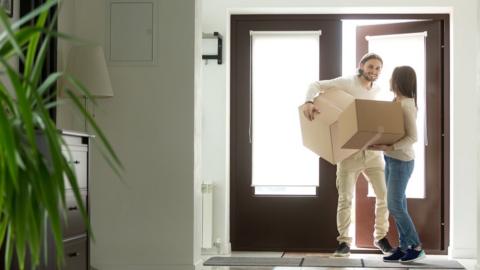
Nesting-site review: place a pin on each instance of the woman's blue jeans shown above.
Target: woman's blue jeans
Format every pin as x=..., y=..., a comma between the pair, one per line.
x=397, y=174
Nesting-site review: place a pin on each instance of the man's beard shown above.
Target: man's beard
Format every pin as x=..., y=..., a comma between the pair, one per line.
x=369, y=78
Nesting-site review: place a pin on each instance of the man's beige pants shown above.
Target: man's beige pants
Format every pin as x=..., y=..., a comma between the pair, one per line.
x=371, y=163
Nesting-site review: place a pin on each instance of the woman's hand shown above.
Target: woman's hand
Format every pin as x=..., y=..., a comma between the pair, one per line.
x=309, y=110
x=380, y=147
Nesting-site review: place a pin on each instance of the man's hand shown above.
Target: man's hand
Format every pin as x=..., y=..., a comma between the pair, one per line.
x=380, y=147
x=309, y=110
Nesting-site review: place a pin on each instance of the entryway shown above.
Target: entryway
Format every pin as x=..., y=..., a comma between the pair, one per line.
x=284, y=198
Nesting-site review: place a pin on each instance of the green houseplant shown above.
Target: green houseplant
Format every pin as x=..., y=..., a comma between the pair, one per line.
x=32, y=186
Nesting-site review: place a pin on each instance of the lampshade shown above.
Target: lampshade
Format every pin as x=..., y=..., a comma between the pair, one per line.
x=87, y=64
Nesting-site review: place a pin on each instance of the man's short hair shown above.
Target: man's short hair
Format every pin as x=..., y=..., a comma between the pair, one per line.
x=367, y=57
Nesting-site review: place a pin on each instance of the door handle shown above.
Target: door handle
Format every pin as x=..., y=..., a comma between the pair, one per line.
x=73, y=254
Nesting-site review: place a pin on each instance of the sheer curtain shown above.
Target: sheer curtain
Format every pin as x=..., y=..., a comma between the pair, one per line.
x=398, y=50
x=283, y=65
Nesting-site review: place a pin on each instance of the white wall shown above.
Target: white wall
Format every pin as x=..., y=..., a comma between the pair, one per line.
x=198, y=116
x=152, y=220
x=67, y=116
x=464, y=162
x=478, y=132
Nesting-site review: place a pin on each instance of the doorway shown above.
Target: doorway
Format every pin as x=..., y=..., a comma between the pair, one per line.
x=298, y=215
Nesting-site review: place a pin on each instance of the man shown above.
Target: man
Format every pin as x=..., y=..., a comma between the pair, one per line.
x=368, y=162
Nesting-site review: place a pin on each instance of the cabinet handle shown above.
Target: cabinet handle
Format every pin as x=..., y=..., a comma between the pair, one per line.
x=71, y=208
x=73, y=254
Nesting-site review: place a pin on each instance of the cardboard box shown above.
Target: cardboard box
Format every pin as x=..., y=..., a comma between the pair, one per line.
x=367, y=122
x=321, y=134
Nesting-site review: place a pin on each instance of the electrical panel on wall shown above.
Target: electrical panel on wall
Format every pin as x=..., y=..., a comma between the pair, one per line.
x=131, y=32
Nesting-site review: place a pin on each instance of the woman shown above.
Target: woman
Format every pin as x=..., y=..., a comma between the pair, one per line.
x=399, y=162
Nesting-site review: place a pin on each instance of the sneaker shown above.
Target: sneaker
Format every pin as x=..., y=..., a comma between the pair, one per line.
x=384, y=246
x=413, y=255
x=343, y=250
x=395, y=257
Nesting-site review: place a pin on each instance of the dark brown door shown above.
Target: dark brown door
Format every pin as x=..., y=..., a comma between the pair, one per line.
x=428, y=213
x=272, y=222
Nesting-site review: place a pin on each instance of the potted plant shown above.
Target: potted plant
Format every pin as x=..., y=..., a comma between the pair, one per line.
x=32, y=190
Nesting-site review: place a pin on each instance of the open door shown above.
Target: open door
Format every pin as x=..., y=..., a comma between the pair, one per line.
x=419, y=44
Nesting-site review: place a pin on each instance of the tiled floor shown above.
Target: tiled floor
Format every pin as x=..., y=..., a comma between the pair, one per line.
x=469, y=264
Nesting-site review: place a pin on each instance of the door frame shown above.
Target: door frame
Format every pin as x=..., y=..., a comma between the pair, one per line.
x=445, y=145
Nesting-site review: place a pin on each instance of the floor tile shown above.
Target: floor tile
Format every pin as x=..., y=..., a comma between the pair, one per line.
x=256, y=254
x=305, y=254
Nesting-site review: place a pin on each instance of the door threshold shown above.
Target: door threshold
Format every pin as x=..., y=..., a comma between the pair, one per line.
x=362, y=250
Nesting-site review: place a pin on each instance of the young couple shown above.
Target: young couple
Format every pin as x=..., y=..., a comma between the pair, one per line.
x=389, y=179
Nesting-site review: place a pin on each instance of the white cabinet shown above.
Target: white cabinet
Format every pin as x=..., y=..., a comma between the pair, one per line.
x=75, y=237
x=78, y=156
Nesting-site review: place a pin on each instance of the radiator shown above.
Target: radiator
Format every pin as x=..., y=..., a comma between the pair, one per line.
x=207, y=215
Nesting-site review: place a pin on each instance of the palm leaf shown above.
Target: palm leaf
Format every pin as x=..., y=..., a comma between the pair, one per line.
x=10, y=35
x=32, y=172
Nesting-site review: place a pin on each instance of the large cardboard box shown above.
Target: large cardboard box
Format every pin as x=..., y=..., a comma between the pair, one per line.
x=366, y=122
x=321, y=134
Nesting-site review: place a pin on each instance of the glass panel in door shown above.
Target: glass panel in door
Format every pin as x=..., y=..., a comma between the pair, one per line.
x=284, y=63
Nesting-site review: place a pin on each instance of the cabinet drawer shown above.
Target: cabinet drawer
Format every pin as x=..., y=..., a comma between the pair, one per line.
x=75, y=139
x=78, y=157
x=76, y=257
x=73, y=225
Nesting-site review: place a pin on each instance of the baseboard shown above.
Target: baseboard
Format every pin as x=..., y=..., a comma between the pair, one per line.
x=197, y=266
x=462, y=253
x=224, y=249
